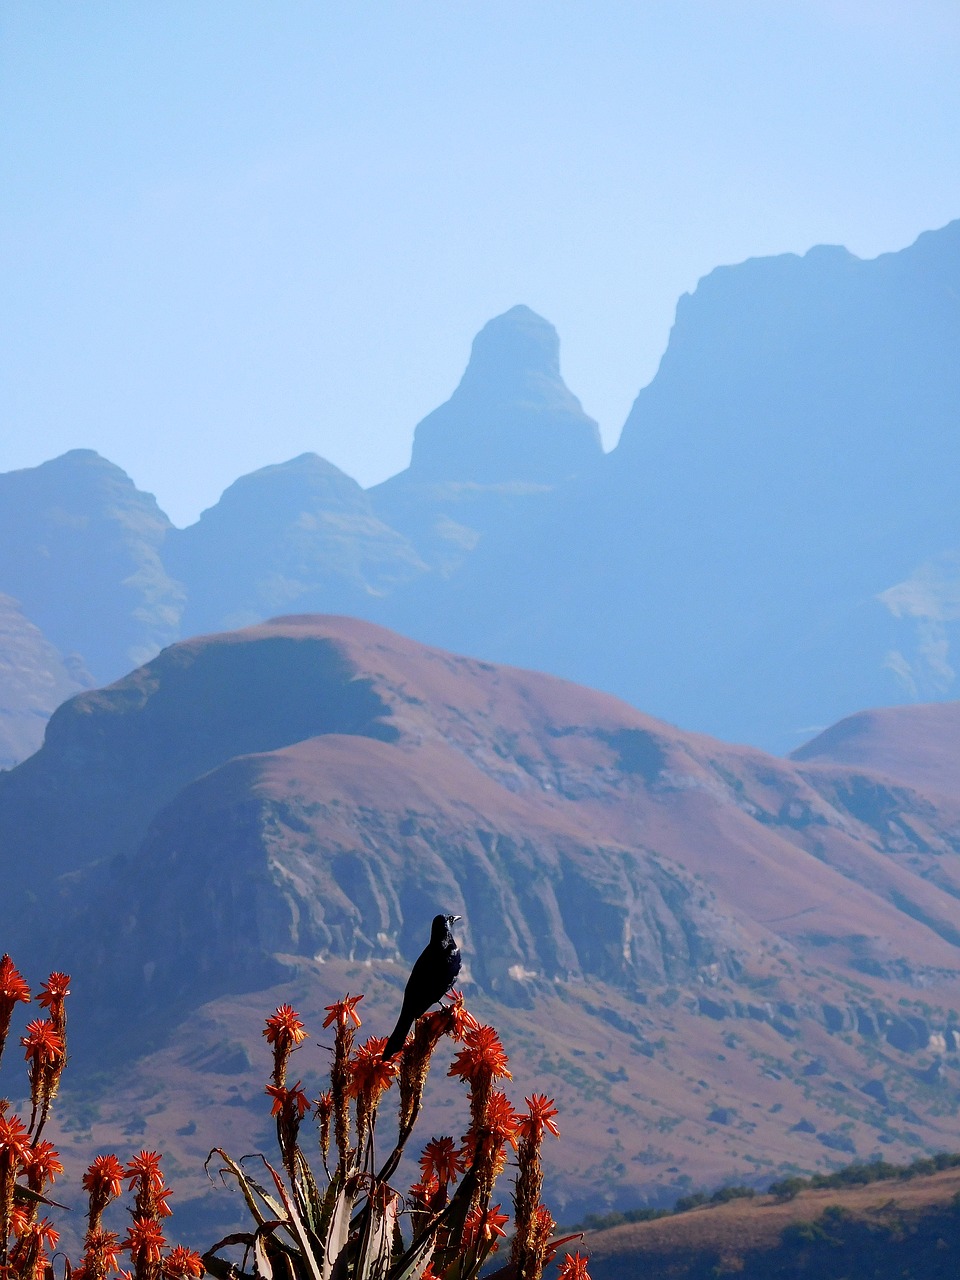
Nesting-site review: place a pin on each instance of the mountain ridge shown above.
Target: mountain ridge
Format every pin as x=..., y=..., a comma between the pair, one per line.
x=722, y=964
x=772, y=545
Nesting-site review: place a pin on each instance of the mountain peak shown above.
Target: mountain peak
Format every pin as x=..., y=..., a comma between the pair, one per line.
x=510, y=351
x=512, y=418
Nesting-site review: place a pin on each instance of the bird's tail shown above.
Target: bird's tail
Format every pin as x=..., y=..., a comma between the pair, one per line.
x=396, y=1041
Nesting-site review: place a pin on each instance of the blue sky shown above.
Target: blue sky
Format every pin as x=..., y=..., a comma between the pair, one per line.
x=231, y=232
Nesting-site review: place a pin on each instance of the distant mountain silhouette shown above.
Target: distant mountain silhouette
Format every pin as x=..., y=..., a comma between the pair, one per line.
x=34, y=680
x=80, y=549
x=773, y=542
x=512, y=417
x=299, y=535
x=509, y=435
x=773, y=545
x=919, y=745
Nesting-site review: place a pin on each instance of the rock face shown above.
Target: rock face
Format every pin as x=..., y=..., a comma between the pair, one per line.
x=317, y=787
x=299, y=535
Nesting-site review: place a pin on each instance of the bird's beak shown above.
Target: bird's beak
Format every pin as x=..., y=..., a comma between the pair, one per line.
x=454, y=919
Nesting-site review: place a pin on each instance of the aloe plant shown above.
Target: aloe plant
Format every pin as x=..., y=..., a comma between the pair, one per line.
x=351, y=1223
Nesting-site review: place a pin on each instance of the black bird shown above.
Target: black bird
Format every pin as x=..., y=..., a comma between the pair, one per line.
x=430, y=978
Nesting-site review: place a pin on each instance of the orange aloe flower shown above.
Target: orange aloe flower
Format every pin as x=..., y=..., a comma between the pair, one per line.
x=144, y=1241
x=43, y=1232
x=484, y=1227
x=158, y=1202
x=14, y=1142
x=104, y=1178
x=483, y=1144
x=441, y=1160
x=144, y=1173
x=369, y=1075
x=284, y=1027
x=44, y=1165
x=573, y=1267
x=183, y=1264
x=145, y=1169
x=342, y=1010
x=12, y=988
x=539, y=1117
x=103, y=1181
x=53, y=991
x=101, y=1249
x=14, y=1154
x=284, y=1099
x=461, y=1019
x=43, y=1043
x=424, y=1191
x=452, y=1019
x=483, y=1059
x=284, y=1031
x=500, y=1119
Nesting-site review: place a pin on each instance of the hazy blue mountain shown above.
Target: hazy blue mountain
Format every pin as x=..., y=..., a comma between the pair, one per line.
x=34, y=680
x=774, y=542
x=296, y=537
x=80, y=550
x=508, y=436
x=512, y=417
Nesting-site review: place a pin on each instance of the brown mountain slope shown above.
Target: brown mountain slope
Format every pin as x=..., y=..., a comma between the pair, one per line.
x=918, y=745
x=722, y=964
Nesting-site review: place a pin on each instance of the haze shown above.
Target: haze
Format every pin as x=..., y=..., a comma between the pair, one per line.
x=232, y=233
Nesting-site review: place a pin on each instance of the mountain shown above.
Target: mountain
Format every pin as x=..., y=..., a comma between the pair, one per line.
x=510, y=434
x=34, y=680
x=772, y=545
x=301, y=534
x=721, y=963
x=512, y=416
x=918, y=745
x=80, y=550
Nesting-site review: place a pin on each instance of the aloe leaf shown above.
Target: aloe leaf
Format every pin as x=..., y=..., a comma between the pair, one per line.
x=296, y=1226
x=274, y=1205
x=264, y=1268
x=374, y=1256
x=24, y=1195
x=246, y=1186
x=414, y=1262
x=339, y=1230
x=220, y=1268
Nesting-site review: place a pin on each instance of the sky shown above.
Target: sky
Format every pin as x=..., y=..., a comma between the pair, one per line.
x=232, y=232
